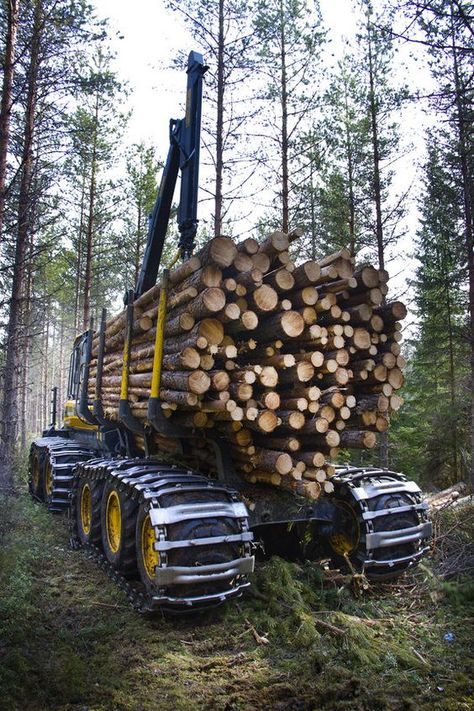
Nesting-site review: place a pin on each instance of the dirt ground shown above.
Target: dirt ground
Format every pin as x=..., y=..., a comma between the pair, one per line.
x=296, y=640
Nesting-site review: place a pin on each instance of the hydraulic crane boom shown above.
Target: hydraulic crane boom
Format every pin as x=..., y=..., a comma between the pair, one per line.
x=183, y=155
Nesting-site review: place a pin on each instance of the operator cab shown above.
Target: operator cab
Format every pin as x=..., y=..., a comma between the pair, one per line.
x=77, y=364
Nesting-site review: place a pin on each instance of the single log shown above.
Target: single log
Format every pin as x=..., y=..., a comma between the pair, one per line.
x=188, y=358
x=249, y=280
x=220, y=379
x=289, y=323
x=301, y=372
x=395, y=311
x=395, y=378
x=247, y=321
x=206, y=361
x=291, y=418
x=176, y=326
x=249, y=246
x=207, y=303
x=270, y=460
x=242, y=263
x=358, y=439
x=295, y=403
x=289, y=444
x=307, y=296
x=241, y=391
x=219, y=250
x=280, y=280
x=367, y=278
x=274, y=243
x=372, y=401
x=269, y=399
x=261, y=261
x=209, y=276
x=312, y=459
x=306, y=274
x=266, y=421
x=196, y=381
x=229, y=313
x=206, y=333
x=264, y=299
x=178, y=397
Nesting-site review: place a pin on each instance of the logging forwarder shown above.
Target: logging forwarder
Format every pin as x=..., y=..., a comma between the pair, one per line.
x=170, y=536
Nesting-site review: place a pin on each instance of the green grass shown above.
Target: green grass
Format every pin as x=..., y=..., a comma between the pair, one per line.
x=69, y=640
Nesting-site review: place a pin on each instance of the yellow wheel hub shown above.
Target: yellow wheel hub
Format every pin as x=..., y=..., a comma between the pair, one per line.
x=113, y=521
x=86, y=509
x=48, y=478
x=345, y=538
x=35, y=473
x=150, y=556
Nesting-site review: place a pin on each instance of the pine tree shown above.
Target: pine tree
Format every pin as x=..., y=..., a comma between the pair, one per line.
x=291, y=38
x=95, y=130
x=223, y=30
x=140, y=188
x=448, y=29
x=433, y=425
x=48, y=33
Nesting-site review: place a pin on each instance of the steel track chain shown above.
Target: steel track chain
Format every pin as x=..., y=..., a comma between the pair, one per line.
x=146, y=482
x=366, y=484
x=59, y=450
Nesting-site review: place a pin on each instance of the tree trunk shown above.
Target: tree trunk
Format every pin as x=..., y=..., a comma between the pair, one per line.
x=90, y=223
x=284, y=125
x=219, y=124
x=463, y=122
x=350, y=178
x=376, y=154
x=6, y=103
x=77, y=284
x=10, y=374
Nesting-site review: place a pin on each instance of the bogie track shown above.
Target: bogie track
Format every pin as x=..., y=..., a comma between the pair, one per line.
x=51, y=465
x=173, y=539
x=170, y=537
x=381, y=521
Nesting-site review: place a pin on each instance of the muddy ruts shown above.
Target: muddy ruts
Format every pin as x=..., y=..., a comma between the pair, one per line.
x=198, y=530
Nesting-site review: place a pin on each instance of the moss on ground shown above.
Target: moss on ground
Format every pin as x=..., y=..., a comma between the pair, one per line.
x=69, y=640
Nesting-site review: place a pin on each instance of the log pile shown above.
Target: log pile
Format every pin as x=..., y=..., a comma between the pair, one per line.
x=287, y=363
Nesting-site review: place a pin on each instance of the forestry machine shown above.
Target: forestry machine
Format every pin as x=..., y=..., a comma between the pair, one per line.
x=171, y=537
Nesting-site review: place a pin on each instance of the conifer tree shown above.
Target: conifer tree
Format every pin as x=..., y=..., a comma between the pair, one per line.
x=291, y=37
x=223, y=30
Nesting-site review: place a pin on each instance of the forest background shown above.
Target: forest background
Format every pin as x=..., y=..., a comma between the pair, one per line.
x=364, y=141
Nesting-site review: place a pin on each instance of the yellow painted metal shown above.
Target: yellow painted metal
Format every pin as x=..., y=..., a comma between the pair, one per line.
x=35, y=472
x=124, y=383
x=86, y=509
x=113, y=521
x=150, y=556
x=48, y=478
x=160, y=330
x=174, y=260
x=72, y=420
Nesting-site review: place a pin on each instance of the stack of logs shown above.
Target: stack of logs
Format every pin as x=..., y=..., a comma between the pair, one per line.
x=287, y=363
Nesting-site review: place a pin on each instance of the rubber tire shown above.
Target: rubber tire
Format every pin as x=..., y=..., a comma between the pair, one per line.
x=47, y=498
x=125, y=559
x=404, y=520
x=200, y=555
x=94, y=536
x=37, y=492
x=394, y=521
x=149, y=584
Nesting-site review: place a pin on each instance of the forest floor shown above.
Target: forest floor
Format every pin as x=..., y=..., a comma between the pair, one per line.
x=70, y=641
